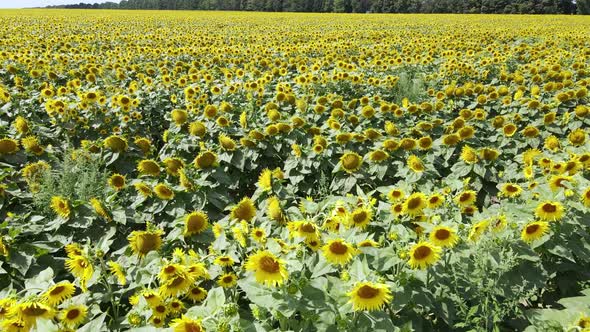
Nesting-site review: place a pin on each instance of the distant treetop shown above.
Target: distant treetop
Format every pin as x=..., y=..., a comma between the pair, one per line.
x=356, y=6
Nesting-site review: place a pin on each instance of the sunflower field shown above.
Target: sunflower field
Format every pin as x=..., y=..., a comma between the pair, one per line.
x=225, y=171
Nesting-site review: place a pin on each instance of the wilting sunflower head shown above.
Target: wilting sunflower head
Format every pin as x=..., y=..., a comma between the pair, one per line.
x=142, y=242
x=116, y=143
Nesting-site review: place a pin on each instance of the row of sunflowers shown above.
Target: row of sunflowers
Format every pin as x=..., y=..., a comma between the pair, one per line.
x=293, y=172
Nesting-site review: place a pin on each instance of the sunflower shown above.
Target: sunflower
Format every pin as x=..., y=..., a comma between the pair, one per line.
x=378, y=156
x=584, y=323
x=58, y=293
x=351, y=162
x=8, y=146
x=435, y=200
x=265, y=180
x=244, y=210
x=414, y=204
x=117, y=270
x=224, y=261
x=549, y=210
x=586, y=197
x=30, y=311
x=259, y=235
x=177, y=284
x=196, y=222
x=142, y=242
x=466, y=198
x=415, y=164
x=205, y=159
x=469, y=155
x=511, y=190
x=267, y=268
x=274, y=210
x=477, y=230
x=395, y=195
x=558, y=181
x=163, y=191
x=534, y=230
x=197, y=294
x=73, y=315
x=227, y=143
x=173, y=165
x=144, y=144
x=369, y=296
x=116, y=143
x=444, y=236
x=368, y=243
x=81, y=267
x=338, y=252
x=117, y=181
x=423, y=254
x=577, y=137
x=100, y=209
x=227, y=280
x=304, y=228
x=360, y=217
x=148, y=167
x=60, y=206
x=143, y=189
x=185, y=324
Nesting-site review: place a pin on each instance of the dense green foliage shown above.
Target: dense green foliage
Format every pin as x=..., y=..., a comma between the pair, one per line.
x=358, y=6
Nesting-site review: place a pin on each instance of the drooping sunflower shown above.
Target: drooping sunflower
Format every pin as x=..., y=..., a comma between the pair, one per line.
x=557, y=182
x=534, y=230
x=378, y=156
x=227, y=143
x=244, y=210
x=360, y=217
x=274, y=210
x=186, y=324
x=414, y=204
x=163, y=191
x=369, y=296
x=351, y=162
x=415, y=164
x=423, y=255
x=549, y=210
x=58, y=293
x=267, y=268
x=265, y=179
x=469, y=155
x=8, y=146
x=227, y=280
x=511, y=190
x=148, y=167
x=477, y=230
x=577, y=137
x=586, y=197
x=73, y=315
x=444, y=236
x=195, y=222
x=116, y=143
x=205, y=159
x=142, y=242
x=100, y=209
x=173, y=165
x=60, y=206
x=117, y=270
x=30, y=311
x=338, y=251
x=143, y=189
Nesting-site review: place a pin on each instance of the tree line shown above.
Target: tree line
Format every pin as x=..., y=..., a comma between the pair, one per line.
x=356, y=6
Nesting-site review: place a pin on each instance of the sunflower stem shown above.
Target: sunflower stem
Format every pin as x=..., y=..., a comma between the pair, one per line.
x=391, y=313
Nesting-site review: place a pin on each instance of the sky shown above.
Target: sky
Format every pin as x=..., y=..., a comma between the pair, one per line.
x=42, y=3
